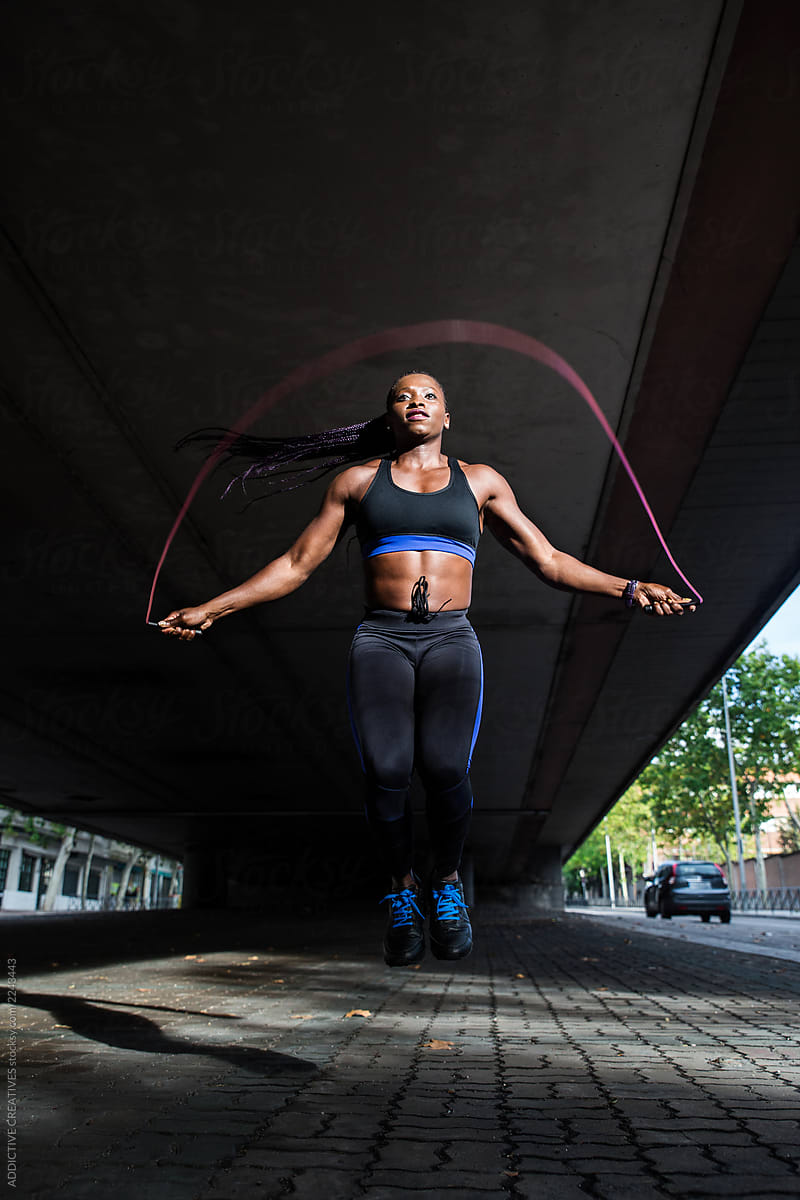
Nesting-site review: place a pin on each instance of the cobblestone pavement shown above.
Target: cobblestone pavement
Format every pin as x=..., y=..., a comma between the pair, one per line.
x=211, y=1058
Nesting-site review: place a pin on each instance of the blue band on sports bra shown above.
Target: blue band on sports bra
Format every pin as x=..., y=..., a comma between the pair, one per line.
x=413, y=541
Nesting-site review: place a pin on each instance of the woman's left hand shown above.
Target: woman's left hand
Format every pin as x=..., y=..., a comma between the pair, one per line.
x=660, y=600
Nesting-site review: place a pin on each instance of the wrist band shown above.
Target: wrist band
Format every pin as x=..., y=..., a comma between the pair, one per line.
x=629, y=595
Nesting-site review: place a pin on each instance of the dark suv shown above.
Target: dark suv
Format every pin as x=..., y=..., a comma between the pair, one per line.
x=688, y=888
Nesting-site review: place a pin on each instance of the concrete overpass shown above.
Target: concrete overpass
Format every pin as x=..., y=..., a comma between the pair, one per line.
x=203, y=198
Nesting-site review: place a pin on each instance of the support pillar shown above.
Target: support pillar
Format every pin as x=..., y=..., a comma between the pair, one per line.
x=540, y=889
x=205, y=881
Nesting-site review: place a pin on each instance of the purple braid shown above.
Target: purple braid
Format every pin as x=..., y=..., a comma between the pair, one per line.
x=272, y=458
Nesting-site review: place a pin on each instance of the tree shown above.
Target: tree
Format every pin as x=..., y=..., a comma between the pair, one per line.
x=628, y=824
x=133, y=857
x=87, y=869
x=59, y=866
x=688, y=783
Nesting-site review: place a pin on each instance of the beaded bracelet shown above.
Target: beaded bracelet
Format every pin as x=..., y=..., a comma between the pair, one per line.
x=629, y=595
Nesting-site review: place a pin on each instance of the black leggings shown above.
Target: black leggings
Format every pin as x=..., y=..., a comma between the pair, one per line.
x=415, y=693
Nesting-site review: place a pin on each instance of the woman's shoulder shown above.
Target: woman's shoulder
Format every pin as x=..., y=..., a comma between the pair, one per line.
x=484, y=480
x=480, y=471
x=354, y=481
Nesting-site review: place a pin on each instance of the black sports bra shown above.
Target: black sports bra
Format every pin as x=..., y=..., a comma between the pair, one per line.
x=392, y=519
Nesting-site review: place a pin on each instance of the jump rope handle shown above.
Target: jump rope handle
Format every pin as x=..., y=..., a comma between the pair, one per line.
x=199, y=632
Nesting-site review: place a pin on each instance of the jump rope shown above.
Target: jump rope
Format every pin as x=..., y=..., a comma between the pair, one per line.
x=407, y=337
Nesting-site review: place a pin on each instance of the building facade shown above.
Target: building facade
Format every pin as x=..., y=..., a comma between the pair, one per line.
x=93, y=873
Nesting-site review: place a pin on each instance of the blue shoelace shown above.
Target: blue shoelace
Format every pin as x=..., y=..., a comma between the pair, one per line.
x=402, y=903
x=448, y=902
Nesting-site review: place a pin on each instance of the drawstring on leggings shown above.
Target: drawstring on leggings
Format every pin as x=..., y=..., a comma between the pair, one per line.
x=419, y=602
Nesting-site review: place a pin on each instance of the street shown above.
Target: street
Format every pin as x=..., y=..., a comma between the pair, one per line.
x=774, y=936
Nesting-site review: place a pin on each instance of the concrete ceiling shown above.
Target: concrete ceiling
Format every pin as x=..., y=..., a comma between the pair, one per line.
x=203, y=198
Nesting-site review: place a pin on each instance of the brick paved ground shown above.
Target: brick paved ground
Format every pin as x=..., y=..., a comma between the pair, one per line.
x=564, y=1059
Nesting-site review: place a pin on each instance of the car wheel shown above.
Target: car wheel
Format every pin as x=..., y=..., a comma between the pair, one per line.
x=725, y=917
x=650, y=912
x=705, y=918
x=666, y=915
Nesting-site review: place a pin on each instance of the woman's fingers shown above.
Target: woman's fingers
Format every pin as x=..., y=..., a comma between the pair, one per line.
x=661, y=600
x=185, y=623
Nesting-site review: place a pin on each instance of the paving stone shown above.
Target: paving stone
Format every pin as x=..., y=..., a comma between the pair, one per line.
x=750, y=1158
x=748, y=1187
x=409, y=1156
x=387, y=1192
x=622, y=1187
x=776, y=1131
x=550, y=1187
x=245, y=1183
x=687, y=1158
x=290, y=1160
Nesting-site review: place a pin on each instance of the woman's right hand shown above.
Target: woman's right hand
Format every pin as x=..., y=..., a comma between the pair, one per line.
x=186, y=623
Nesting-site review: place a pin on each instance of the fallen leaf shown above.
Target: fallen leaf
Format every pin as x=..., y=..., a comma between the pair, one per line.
x=186, y=957
x=302, y=1016
x=519, y=975
x=512, y=1174
x=253, y=957
x=358, y=1012
x=436, y=1044
x=415, y=966
x=279, y=981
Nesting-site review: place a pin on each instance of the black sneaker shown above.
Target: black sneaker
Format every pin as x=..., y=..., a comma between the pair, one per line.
x=450, y=931
x=404, y=940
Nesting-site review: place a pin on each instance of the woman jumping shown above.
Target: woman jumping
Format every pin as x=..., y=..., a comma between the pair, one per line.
x=415, y=676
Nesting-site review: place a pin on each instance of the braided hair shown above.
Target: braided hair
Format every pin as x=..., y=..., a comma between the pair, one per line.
x=277, y=462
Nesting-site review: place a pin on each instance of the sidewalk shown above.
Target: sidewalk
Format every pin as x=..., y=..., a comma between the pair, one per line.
x=212, y=1057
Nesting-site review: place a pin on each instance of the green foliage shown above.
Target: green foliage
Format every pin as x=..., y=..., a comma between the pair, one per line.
x=688, y=782
x=628, y=824
x=685, y=791
x=32, y=830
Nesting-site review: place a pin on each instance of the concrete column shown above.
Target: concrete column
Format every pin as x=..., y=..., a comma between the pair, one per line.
x=205, y=882
x=540, y=889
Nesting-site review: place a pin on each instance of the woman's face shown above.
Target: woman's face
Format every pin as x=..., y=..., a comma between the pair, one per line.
x=417, y=408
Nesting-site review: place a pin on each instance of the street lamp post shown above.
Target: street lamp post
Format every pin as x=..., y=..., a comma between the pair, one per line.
x=734, y=792
x=610, y=865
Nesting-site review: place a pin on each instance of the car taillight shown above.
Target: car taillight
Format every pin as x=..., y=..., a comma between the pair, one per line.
x=722, y=873
x=674, y=874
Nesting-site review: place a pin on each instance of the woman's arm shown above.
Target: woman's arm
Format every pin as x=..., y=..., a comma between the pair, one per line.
x=281, y=576
x=518, y=534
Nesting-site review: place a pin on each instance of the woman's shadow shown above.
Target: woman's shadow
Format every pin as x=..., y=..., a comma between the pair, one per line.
x=130, y=1031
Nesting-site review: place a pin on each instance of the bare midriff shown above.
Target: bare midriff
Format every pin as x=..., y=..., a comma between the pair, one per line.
x=390, y=578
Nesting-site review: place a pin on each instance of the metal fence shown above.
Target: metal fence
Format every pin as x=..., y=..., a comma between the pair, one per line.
x=785, y=899
x=781, y=899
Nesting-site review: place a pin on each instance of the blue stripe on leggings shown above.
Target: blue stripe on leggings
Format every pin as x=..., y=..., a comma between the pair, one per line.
x=478, y=714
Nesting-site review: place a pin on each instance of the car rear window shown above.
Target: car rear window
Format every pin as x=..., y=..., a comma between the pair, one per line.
x=698, y=869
